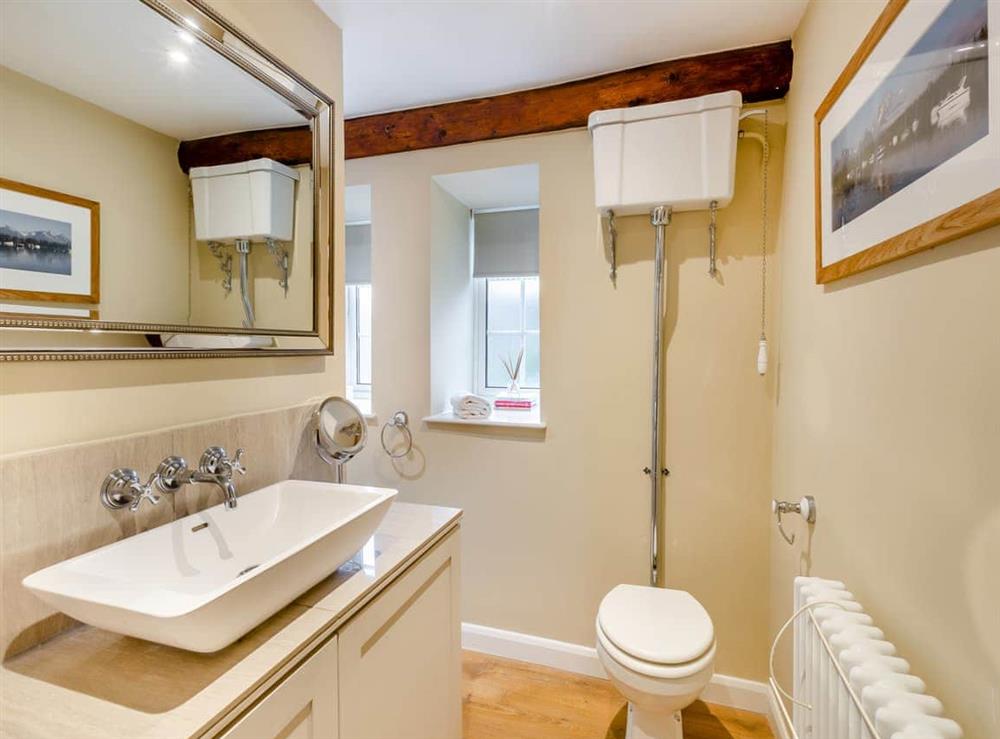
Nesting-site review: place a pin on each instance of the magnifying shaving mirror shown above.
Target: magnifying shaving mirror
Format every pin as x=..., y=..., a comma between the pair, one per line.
x=341, y=432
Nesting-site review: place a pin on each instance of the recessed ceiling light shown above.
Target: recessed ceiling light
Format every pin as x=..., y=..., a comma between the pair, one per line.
x=185, y=36
x=178, y=57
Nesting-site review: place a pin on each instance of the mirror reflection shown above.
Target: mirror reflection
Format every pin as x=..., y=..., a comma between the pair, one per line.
x=341, y=433
x=136, y=183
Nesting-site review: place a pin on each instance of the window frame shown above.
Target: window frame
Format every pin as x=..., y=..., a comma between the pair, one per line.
x=356, y=391
x=481, y=330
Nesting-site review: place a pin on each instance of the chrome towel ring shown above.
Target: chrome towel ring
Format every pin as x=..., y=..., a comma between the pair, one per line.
x=401, y=422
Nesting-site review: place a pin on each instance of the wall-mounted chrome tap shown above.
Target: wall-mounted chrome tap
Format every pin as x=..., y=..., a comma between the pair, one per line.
x=123, y=486
x=215, y=467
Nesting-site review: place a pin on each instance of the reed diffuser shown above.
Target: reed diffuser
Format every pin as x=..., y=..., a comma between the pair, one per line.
x=513, y=369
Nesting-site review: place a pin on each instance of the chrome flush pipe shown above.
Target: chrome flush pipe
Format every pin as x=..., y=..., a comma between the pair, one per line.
x=659, y=217
x=243, y=249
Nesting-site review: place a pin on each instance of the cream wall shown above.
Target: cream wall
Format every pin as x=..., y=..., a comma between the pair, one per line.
x=53, y=140
x=888, y=413
x=451, y=309
x=50, y=403
x=554, y=521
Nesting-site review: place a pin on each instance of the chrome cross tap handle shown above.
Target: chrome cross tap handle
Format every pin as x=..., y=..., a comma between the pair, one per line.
x=216, y=461
x=123, y=487
x=237, y=462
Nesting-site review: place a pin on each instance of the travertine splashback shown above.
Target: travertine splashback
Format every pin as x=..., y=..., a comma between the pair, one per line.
x=51, y=508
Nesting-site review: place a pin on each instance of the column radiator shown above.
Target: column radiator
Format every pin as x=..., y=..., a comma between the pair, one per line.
x=849, y=682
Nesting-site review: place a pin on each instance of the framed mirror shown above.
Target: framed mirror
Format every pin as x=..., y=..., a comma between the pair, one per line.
x=165, y=187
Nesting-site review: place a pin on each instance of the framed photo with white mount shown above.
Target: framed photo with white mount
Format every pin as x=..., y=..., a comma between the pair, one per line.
x=908, y=139
x=49, y=245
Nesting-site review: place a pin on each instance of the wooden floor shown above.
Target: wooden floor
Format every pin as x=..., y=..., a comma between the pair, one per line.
x=503, y=699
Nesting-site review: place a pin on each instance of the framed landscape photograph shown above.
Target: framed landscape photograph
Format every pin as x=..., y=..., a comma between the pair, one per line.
x=49, y=245
x=908, y=139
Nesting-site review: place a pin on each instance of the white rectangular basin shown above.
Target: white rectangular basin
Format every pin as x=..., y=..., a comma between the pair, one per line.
x=201, y=582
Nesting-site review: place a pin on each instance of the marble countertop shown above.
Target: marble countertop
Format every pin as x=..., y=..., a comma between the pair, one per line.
x=88, y=683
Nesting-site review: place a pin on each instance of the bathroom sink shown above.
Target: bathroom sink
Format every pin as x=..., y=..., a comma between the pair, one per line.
x=201, y=582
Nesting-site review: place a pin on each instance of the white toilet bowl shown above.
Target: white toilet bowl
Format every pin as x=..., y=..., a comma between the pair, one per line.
x=658, y=648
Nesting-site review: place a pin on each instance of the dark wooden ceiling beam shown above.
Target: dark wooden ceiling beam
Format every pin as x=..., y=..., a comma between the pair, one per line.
x=758, y=72
x=291, y=146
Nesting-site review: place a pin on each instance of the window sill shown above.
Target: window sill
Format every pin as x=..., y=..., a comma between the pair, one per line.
x=498, y=419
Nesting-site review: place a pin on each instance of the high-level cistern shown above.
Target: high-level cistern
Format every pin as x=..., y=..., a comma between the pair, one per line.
x=123, y=487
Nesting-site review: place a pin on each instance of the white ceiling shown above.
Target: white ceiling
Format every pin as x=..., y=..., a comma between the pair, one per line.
x=117, y=55
x=405, y=53
x=488, y=189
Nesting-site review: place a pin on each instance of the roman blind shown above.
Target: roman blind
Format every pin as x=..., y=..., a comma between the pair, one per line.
x=358, y=257
x=506, y=243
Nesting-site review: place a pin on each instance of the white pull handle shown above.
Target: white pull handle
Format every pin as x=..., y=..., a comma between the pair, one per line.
x=762, y=356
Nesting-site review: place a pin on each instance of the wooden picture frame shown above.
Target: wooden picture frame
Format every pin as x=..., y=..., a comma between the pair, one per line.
x=965, y=217
x=91, y=262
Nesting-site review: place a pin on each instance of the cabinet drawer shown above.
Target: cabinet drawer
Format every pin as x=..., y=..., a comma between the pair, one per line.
x=400, y=657
x=302, y=706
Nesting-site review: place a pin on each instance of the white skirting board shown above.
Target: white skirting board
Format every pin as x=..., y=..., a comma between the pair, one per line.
x=724, y=690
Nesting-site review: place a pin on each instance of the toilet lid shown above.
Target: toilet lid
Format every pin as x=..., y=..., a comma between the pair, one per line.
x=667, y=627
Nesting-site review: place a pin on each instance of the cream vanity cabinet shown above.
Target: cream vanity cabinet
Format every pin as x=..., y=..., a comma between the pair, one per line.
x=302, y=706
x=392, y=671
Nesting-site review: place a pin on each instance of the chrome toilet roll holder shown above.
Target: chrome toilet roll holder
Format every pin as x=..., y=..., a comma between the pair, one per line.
x=806, y=507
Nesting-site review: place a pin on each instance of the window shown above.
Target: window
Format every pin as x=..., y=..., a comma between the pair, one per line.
x=358, y=295
x=359, y=345
x=506, y=325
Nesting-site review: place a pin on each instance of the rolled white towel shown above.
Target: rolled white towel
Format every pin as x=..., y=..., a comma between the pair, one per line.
x=471, y=406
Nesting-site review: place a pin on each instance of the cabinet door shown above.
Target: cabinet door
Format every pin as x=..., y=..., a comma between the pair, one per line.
x=302, y=706
x=400, y=657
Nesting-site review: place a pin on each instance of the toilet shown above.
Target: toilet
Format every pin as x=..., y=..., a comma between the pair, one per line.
x=658, y=648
